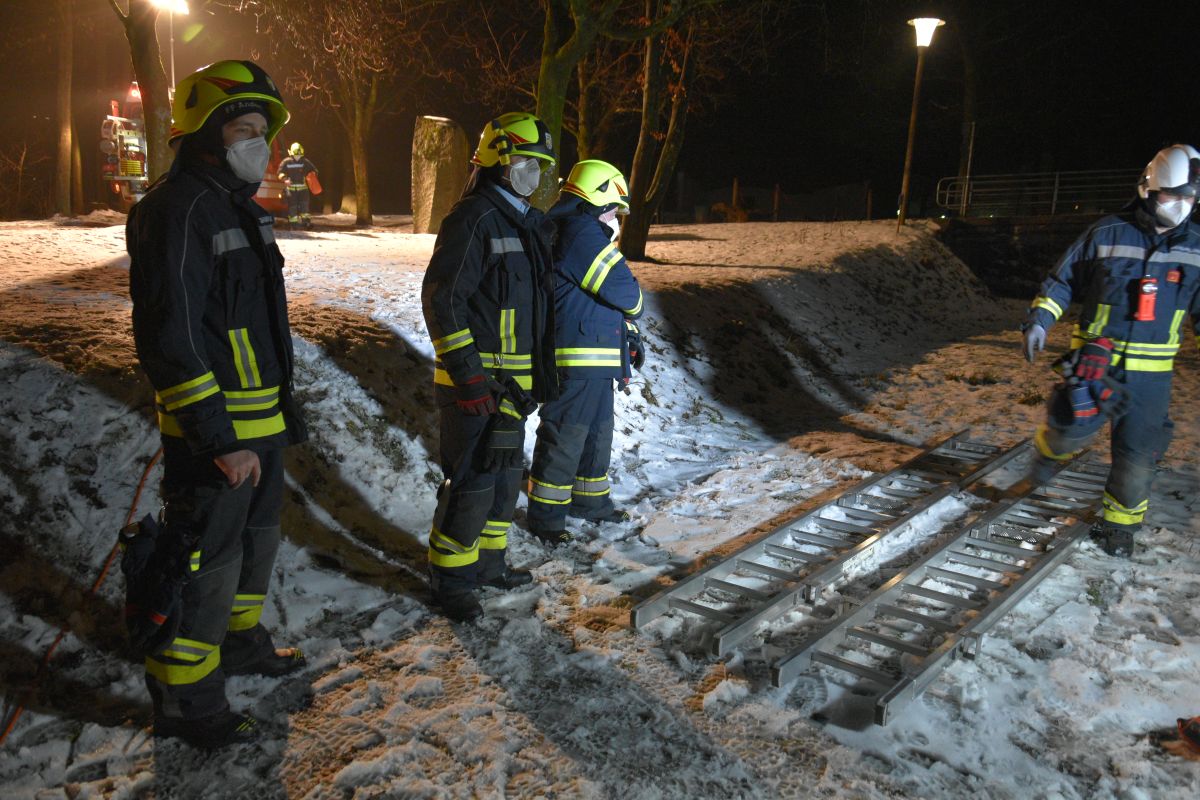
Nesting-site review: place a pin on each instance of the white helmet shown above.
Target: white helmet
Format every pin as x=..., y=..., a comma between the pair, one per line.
x=1175, y=169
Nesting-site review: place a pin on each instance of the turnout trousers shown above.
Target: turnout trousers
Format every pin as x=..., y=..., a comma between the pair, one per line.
x=572, y=454
x=1140, y=438
x=469, y=536
x=297, y=200
x=236, y=534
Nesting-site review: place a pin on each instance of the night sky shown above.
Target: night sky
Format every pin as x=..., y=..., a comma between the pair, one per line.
x=1060, y=86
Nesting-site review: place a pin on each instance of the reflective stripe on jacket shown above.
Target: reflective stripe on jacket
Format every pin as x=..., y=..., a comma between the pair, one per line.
x=1104, y=270
x=594, y=291
x=210, y=313
x=486, y=294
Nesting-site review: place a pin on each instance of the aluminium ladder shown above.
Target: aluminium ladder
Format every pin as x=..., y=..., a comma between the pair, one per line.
x=773, y=575
x=908, y=630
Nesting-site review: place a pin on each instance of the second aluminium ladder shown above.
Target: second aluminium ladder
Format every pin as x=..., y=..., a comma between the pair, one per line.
x=793, y=563
x=909, y=629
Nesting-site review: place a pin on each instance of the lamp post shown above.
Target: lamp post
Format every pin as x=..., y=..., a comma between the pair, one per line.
x=172, y=7
x=924, y=26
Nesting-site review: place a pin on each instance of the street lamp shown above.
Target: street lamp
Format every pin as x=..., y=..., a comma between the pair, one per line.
x=172, y=7
x=924, y=26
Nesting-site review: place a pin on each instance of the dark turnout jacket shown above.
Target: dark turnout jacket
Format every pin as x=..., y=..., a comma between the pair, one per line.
x=210, y=314
x=487, y=294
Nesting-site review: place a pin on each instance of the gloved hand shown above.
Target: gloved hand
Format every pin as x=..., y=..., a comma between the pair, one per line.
x=633, y=341
x=477, y=396
x=1091, y=363
x=1035, y=341
x=502, y=448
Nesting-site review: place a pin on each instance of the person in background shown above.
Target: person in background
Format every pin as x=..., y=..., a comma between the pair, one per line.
x=1136, y=275
x=487, y=298
x=294, y=171
x=596, y=300
x=210, y=324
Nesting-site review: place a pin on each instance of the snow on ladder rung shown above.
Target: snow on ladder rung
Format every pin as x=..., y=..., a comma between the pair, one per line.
x=998, y=547
x=843, y=527
x=853, y=667
x=955, y=576
x=888, y=641
x=792, y=554
x=983, y=562
x=915, y=616
x=736, y=588
x=863, y=514
x=763, y=569
x=940, y=597
x=701, y=610
x=819, y=540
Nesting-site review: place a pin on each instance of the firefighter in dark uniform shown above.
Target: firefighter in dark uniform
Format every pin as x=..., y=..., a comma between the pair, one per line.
x=1137, y=276
x=294, y=171
x=211, y=328
x=596, y=300
x=488, y=305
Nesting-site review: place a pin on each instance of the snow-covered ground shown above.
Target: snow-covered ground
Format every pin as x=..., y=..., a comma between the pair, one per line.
x=786, y=362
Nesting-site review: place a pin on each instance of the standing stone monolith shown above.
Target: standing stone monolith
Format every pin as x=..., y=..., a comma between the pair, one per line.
x=439, y=170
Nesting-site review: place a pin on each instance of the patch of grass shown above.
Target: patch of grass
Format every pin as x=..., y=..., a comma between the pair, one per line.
x=1093, y=593
x=648, y=395
x=976, y=379
x=1031, y=397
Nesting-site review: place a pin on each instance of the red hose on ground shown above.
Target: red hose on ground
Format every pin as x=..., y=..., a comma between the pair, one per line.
x=108, y=562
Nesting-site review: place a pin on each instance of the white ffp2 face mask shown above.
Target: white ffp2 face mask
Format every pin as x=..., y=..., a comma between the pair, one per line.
x=248, y=158
x=525, y=177
x=615, y=227
x=1173, y=212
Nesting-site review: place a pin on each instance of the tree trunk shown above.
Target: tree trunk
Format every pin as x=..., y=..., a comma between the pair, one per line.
x=672, y=144
x=636, y=226
x=66, y=57
x=364, y=114
x=77, y=206
x=152, y=80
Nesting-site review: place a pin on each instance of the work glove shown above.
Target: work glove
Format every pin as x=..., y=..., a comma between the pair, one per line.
x=1092, y=360
x=155, y=569
x=476, y=397
x=633, y=341
x=1035, y=341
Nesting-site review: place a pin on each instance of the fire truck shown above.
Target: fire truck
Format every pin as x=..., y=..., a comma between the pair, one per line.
x=123, y=170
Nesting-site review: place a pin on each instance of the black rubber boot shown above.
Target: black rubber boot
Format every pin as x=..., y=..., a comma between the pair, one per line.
x=1115, y=540
x=552, y=538
x=617, y=516
x=459, y=606
x=509, y=579
x=209, y=733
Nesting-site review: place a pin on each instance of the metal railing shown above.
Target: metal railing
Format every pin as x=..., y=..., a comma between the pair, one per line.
x=1037, y=193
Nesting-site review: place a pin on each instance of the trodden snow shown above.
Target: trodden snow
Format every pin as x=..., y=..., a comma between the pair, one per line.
x=786, y=362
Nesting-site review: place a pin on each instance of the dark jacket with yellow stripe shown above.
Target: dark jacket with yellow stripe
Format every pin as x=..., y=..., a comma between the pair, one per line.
x=487, y=294
x=1104, y=270
x=210, y=315
x=593, y=294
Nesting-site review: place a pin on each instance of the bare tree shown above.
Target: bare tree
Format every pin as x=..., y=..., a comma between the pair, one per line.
x=139, y=21
x=351, y=53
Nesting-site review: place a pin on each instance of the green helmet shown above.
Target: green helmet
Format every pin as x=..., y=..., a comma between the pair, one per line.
x=296, y=149
x=600, y=183
x=208, y=88
x=516, y=133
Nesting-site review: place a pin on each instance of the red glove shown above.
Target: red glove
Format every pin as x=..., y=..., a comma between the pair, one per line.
x=475, y=397
x=1093, y=361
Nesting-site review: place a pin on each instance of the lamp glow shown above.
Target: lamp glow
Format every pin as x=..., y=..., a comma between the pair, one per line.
x=173, y=6
x=925, y=26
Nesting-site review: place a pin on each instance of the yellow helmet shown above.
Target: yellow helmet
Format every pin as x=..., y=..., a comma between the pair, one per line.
x=600, y=183
x=516, y=133
x=296, y=149
x=208, y=88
